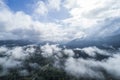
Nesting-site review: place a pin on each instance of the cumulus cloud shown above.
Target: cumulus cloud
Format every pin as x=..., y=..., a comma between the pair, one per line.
x=94, y=10
x=41, y=8
x=84, y=19
x=19, y=25
x=93, y=14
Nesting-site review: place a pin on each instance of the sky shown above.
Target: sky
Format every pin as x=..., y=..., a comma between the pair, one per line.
x=19, y=5
x=58, y=20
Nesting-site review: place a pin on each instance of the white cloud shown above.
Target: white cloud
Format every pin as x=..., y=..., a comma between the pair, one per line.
x=86, y=18
x=54, y=4
x=93, y=51
x=19, y=25
x=44, y=7
x=91, y=14
x=112, y=66
x=18, y=53
x=41, y=8
x=49, y=50
x=79, y=67
x=68, y=52
x=83, y=68
x=93, y=9
x=3, y=49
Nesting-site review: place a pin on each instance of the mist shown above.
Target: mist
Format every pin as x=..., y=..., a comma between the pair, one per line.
x=87, y=63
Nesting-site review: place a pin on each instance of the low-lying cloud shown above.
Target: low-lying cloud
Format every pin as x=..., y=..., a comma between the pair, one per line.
x=80, y=67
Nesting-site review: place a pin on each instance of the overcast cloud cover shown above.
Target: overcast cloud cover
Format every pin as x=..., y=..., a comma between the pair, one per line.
x=78, y=19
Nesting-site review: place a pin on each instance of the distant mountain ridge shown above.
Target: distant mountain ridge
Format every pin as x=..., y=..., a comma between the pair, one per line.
x=76, y=43
x=11, y=43
x=100, y=42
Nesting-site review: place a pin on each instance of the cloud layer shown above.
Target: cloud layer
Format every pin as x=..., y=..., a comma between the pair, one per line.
x=73, y=61
x=81, y=19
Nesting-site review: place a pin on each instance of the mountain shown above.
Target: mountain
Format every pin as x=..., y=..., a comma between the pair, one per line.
x=11, y=43
x=110, y=41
